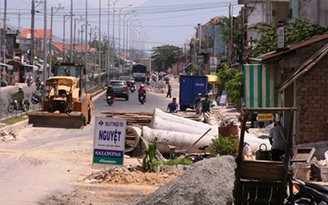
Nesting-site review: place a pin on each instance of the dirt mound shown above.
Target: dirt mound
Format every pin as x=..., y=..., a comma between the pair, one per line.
x=122, y=175
x=209, y=181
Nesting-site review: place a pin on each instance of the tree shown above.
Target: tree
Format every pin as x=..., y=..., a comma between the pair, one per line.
x=296, y=31
x=232, y=82
x=165, y=56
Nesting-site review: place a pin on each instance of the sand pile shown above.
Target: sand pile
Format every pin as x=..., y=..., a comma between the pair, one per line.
x=210, y=181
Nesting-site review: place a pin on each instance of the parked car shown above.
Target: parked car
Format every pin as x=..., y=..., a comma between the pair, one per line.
x=127, y=79
x=120, y=88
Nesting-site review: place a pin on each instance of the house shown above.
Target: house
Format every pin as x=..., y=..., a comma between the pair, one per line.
x=207, y=43
x=313, y=10
x=25, y=41
x=266, y=11
x=294, y=77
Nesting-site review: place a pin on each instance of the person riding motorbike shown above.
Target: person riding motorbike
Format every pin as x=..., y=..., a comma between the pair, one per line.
x=37, y=82
x=19, y=96
x=110, y=92
x=141, y=92
x=29, y=80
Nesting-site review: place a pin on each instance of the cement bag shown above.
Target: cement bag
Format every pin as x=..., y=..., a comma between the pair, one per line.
x=180, y=140
x=166, y=121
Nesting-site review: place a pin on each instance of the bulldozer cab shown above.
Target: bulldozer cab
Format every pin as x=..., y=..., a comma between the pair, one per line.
x=63, y=85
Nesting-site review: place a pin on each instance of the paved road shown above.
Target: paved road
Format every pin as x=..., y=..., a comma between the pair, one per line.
x=44, y=161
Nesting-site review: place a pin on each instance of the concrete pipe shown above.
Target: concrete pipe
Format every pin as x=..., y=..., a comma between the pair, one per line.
x=166, y=121
x=179, y=140
x=132, y=138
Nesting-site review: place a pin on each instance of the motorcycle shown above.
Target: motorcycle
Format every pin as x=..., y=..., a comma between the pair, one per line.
x=132, y=87
x=310, y=193
x=110, y=99
x=15, y=105
x=29, y=82
x=36, y=97
x=142, y=98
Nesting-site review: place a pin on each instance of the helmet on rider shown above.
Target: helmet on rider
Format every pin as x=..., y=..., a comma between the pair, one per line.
x=141, y=85
x=20, y=88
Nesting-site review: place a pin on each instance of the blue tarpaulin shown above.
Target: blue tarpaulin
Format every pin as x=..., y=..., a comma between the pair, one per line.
x=186, y=67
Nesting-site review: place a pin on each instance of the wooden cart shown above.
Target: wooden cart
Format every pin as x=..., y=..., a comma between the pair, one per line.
x=259, y=181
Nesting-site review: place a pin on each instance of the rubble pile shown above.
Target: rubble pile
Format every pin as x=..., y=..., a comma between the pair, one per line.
x=7, y=136
x=122, y=175
x=209, y=181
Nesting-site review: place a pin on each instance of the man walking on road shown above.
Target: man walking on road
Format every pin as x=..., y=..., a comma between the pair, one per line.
x=169, y=89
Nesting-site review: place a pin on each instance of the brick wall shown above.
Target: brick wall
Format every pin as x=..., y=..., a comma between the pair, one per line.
x=312, y=104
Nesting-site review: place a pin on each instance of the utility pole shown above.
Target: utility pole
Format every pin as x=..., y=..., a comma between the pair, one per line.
x=5, y=32
x=50, y=43
x=231, y=35
x=32, y=54
x=71, y=43
x=45, y=41
x=99, y=43
x=86, y=45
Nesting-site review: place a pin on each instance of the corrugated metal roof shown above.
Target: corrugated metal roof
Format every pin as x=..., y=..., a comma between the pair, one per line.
x=305, y=67
x=290, y=48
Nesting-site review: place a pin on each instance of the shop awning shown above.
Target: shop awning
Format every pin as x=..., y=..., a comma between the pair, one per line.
x=212, y=79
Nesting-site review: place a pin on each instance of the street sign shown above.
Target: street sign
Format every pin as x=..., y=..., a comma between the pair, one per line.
x=213, y=64
x=109, y=141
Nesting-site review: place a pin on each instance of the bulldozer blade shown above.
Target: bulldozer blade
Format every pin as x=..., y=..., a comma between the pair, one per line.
x=56, y=120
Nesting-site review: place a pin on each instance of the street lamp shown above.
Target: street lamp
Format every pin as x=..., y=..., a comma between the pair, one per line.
x=119, y=35
x=113, y=4
x=126, y=38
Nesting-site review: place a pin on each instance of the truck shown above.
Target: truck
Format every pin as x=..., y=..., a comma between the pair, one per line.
x=190, y=86
x=66, y=105
x=147, y=63
x=139, y=72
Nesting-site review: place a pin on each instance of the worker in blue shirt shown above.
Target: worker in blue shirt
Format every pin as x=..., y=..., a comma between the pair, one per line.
x=173, y=106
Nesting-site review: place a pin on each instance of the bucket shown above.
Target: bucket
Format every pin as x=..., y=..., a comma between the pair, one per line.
x=302, y=171
x=324, y=173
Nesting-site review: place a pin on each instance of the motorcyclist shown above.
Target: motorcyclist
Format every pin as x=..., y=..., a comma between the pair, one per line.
x=110, y=92
x=29, y=79
x=37, y=82
x=141, y=92
x=19, y=96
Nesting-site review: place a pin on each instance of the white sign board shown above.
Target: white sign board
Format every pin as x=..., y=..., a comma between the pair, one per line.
x=213, y=64
x=281, y=37
x=109, y=141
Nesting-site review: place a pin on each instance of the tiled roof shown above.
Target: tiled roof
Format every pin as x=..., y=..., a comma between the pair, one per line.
x=78, y=47
x=38, y=33
x=215, y=20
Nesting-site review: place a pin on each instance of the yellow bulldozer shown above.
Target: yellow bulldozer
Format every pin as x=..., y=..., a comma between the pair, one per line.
x=66, y=104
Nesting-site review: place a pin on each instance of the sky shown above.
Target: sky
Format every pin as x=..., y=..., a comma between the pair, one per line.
x=158, y=22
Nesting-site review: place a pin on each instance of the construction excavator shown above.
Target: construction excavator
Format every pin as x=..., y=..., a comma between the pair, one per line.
x=67, y=105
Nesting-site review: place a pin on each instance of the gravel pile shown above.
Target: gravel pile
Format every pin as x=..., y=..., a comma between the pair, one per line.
x=210, y=181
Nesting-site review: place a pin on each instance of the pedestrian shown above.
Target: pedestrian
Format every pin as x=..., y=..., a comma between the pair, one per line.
x=173, y=106
x=198, y=104
x=169, y=89
x=206, y=104
x=278, y=141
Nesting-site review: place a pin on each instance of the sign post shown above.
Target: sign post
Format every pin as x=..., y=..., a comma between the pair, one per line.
x=109, y=141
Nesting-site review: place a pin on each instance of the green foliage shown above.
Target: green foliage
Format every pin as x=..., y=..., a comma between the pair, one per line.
x=235, y=89
x=165, y=56
x=223, y=146
x=173, y=162
x=232, y=82
x=148, y=161
x=296, y=31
